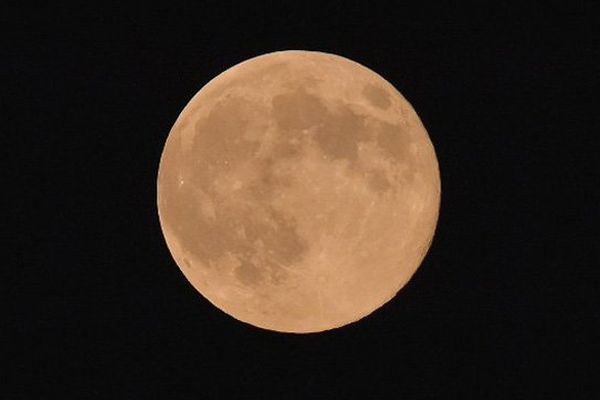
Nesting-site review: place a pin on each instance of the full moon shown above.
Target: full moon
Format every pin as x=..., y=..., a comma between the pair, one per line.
x=298, y=191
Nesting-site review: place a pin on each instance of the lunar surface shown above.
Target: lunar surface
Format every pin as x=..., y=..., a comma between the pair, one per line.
x=298, y=191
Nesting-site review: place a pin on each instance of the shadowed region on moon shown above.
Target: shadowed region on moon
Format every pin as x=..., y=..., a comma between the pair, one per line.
x=377, y=96
x=288, y=196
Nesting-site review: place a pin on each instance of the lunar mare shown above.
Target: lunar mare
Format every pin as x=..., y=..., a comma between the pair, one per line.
x=298, y=191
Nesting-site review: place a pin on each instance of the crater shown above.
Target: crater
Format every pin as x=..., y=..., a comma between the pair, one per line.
x=339, y=136
x=247, y=273
x=277, y=274
x=268, y=182
x=394, y=141
x=291, y=148
x=287, y=245
x=377, y=181
x=298, y=110
x=377, y=96
x=408, y=175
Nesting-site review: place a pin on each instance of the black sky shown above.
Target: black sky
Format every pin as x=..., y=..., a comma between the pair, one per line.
x=506, y=304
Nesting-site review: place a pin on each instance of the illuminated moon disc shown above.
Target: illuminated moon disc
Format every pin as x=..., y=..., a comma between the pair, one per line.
x=298, y=191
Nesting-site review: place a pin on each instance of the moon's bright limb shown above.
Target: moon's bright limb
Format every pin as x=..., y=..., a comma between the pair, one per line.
x=298, y=191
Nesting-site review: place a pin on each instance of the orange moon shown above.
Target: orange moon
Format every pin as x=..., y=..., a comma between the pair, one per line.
x=298, y=191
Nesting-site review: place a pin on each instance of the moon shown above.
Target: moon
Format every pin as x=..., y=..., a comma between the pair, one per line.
x=298, y=191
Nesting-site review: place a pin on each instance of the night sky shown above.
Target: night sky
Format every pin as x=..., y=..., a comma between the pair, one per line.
x=505, y=305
